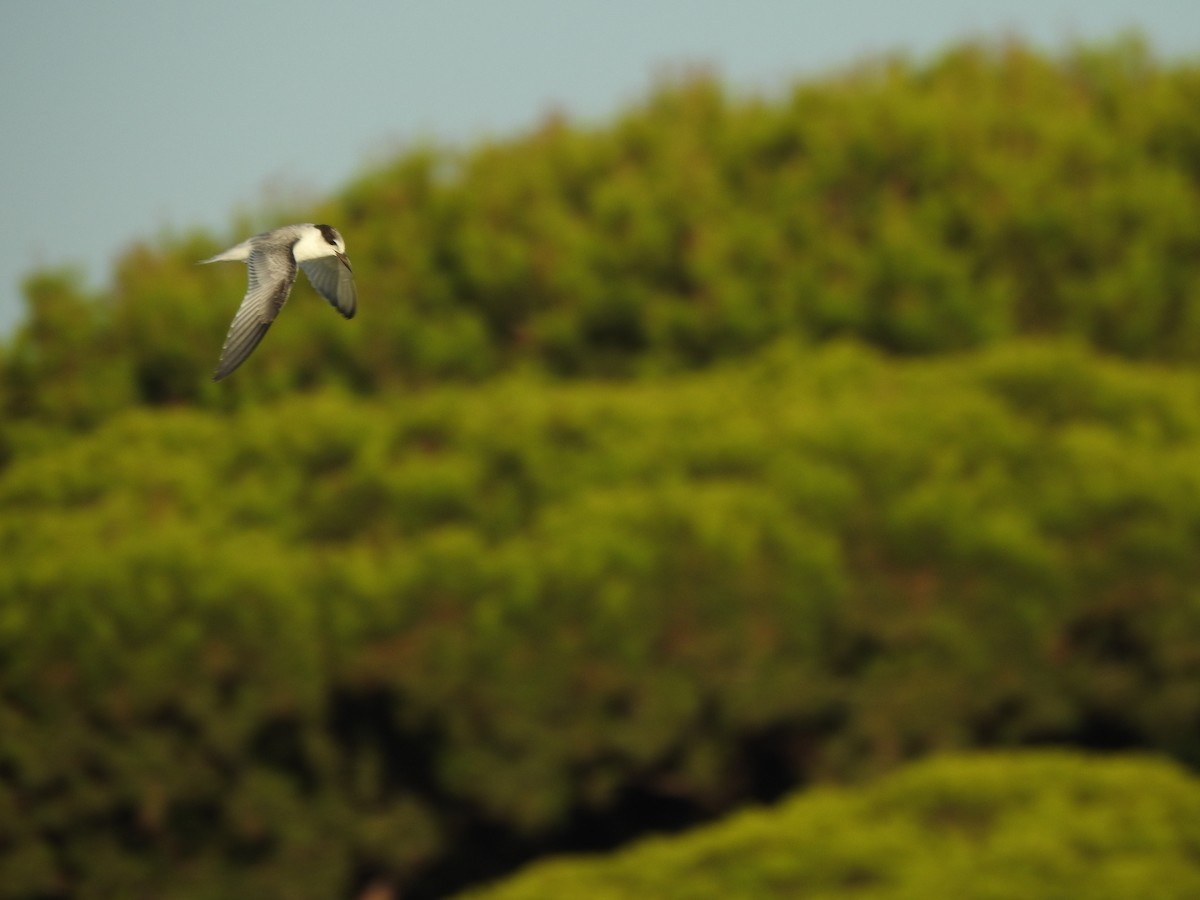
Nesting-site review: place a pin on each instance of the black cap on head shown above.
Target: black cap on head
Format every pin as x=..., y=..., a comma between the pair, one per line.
x=329, y=234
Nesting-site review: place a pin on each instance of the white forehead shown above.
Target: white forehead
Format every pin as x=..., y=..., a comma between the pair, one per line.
x=314, y=243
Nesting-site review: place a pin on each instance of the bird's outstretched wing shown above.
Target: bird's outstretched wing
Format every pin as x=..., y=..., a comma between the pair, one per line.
x=334, y=281
x=270, y=278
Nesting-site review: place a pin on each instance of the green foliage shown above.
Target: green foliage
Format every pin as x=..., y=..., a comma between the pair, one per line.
x=922, y=208
x=985, y=828
x=734, y=431
x=363, y=625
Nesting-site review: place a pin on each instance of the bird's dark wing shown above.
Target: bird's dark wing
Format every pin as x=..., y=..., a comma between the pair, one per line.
x=271, y=275
x=334, y=281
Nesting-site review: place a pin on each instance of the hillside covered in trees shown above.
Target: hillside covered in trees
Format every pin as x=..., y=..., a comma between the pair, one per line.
x=732, y=447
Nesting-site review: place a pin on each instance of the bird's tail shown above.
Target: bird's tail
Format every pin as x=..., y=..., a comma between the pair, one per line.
x=236, y=253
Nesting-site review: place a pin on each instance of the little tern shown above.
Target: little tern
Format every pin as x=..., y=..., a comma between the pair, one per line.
x=271, y=259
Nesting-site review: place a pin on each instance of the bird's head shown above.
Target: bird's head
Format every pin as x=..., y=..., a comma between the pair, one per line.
x=337, y=246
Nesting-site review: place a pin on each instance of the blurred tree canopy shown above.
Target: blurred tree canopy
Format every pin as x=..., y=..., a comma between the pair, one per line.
x=919, y=207
x=733, y=445
x=1042, y=826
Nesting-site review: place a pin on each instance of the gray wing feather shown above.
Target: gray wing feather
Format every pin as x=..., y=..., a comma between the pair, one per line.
x=270, y=278
x=334, y=282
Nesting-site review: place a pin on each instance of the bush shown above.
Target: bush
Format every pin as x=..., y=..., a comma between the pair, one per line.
x=927, y=208
x=393, y=631
x=1043, y=825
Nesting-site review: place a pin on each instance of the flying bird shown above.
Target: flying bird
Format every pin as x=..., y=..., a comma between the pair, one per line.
x=271, y=259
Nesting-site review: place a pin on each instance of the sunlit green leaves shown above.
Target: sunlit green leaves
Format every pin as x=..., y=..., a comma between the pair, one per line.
x=1038, y=826
x=988, y=193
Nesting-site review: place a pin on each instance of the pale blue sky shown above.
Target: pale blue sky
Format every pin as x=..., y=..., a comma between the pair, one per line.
x=126, y=118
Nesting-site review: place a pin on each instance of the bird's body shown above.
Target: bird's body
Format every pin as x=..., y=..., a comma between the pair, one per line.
x=271, y=259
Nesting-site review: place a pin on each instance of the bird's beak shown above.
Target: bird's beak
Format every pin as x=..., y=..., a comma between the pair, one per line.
x=345, y=262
